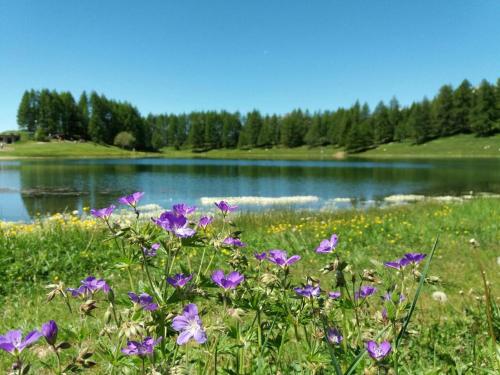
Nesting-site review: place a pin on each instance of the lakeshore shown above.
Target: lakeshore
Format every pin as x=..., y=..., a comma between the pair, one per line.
x=454, y=147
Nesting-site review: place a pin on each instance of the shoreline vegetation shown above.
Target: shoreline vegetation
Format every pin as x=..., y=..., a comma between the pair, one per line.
x=466, y=109
x=453, y=147
x=449, y=330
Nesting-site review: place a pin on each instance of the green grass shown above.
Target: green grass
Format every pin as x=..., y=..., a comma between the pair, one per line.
x=55, y=149
x=460, y=146
x=447, y=338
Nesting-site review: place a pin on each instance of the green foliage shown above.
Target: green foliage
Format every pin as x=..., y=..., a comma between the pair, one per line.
x=443, y=112
x=462, y=105
x=484, y=116
x=420, y=121
x=384, y=124
x=249, y=135
x=41, y=135
x=268, y=329
x=452, y=111
x=125, y=140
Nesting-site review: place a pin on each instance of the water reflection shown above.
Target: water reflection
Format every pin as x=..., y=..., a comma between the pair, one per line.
x=29, y=187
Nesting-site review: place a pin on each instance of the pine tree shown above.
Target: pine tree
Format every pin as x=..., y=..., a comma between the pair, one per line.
x=420, y=121
x=360, y=136
x=27, y=113
x=231, y=127
x=462, y=105
x=266, y=134
x=97, y=126
x=395, y=116
x=443, y=112
x=403, y=130
x=384, y=131
x=172, y=122
x=497, y=94
x=83, y=106
x=315, y=136
x=70, y=116
x=483, y=117
x=293, y=127
x=250, y=133
x=196, y=135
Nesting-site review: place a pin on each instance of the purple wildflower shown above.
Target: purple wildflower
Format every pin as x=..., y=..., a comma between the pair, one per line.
x=408, y=258
x=189, y=325
x=231, y=281
x=49, y=331
x=395, y=264
x=176, y=224
x=260, y=257
x=378, y=352
x=179, y=280
x=141, y=348
x=334, y=336
x=13, y=343
x=236, y=242
x=144, y=300
x=205, y=221
x=132, y=199
x=414, y=258
x=151, y=252
x=327, y=246
x=183, y=209
x=308, y=291
x=225, y=207
x=279, y=257
x=90, y=285
x=334, y=295
x=365, y=291
x=103, y=213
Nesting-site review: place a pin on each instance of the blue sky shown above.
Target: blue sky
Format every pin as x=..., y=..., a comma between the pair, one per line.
x=178, y=56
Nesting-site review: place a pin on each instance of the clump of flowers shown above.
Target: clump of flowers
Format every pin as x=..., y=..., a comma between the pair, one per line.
x=250, y=314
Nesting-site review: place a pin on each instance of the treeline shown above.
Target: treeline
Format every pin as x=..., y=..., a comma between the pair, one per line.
x=465, y=109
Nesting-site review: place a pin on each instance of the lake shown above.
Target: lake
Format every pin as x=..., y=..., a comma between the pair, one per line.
x=28, y=187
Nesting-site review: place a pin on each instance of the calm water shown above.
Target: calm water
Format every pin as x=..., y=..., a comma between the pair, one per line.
x=48, y=186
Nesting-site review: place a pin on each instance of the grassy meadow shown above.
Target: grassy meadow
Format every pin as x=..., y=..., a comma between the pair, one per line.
x=66, y=149
x=449, y=336
x=459, y=146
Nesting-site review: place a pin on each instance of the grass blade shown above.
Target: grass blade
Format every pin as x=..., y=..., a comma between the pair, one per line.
x=417, y=294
